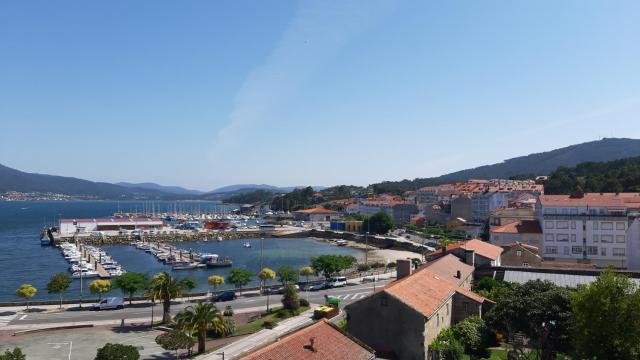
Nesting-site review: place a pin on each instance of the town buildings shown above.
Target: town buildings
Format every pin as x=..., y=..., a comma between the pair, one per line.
x=316, y=215
x=524, y=231
x=400, y=210
x=402, y=320
x=601, y=229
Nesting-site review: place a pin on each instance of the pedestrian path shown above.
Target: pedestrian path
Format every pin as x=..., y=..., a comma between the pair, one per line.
x=261, y=338
x=353, y=296
x=6, y=319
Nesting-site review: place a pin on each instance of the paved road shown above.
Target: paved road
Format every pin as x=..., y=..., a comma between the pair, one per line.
x=139, y=312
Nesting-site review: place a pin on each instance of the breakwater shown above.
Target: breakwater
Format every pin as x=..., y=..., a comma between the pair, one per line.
x=175, y=237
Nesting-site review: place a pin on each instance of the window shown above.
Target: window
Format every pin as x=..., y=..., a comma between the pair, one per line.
x=576, y=250
x=518, y=252
x=620, y=238
x=595, y=225
x=620, y=226
x=566, y=250
x=564, y=211
x=573, y=237
x=574, y=211
x=595, y=238
x=603, y=251
x=606, y=238
x=548, y=224
x=592, y=250
x=593, y=211
x=606, y=225
x=550, y=211
x=562, y=237
x=548, y=237
x=562, y=225
x=618, y=251
x=573, y=224
x=525, y=264
x=551, y=249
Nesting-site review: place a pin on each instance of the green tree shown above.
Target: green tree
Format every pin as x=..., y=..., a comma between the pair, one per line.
x=287, y=275
x=215, y=281
x=239, y=277
x=265, y=275
x=493, y=289
x=26, y=291
x=290, y=299
x=329, y=265
x=100, y=287
x=165, y=287
x=474, y=335
x=130, y=283
x=606, y=318
x=117, y=352
x=201, y=318
x=538, y=309
x=58, y=284
x=447, y=346
x=15, y=354
x=378, y=223
x=306, y=272
x=188, y=284
x=175, y=340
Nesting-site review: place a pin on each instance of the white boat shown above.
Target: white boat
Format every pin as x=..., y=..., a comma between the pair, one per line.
x=85, y=274
x=219, y=239
x=247, y=244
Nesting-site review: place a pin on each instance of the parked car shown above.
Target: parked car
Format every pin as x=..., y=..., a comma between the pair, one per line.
x=109, y=303
x=225, y=296
x=315, y=286
x=279, y=290
x=338, y=281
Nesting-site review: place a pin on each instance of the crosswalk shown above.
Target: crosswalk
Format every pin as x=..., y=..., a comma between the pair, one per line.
x=6, y=319
x=352, y=296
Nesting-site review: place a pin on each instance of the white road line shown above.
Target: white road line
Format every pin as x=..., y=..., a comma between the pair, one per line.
x=4, y=320
x=22, y=317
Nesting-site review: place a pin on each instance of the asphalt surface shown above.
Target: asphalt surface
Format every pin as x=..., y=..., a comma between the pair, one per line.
x=347, y=295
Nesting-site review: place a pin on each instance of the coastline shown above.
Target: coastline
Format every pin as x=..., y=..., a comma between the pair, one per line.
x=376, y=254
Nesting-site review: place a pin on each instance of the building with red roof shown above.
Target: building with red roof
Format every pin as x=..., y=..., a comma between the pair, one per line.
x=316, y=215
x=321, y=341
x=403, y=318
x=525, y=232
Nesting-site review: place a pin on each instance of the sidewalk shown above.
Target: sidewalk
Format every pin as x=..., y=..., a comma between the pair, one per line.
x=260, y=338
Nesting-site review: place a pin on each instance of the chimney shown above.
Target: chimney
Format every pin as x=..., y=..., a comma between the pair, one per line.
x=403, y=268
x=470, y=257
x=311, y=344
x=458, y=274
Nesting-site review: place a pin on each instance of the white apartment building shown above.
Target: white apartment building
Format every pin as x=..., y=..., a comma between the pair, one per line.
x=601, y=229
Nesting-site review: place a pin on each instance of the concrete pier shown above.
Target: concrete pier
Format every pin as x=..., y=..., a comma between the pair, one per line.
x=96, y=264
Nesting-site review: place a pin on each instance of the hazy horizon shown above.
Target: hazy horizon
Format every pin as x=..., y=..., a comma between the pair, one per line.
x=209, y=94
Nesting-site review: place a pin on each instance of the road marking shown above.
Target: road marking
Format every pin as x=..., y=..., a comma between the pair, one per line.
x=57, y=346
x=4, y=320
x=23, y=317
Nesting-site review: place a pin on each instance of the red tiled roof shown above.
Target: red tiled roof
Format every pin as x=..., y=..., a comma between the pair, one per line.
x=317, y=211
x=483, y=248
x=329, y=343
x=518, y=227
x=431, y=286
x=531, y=248
x=592, y=199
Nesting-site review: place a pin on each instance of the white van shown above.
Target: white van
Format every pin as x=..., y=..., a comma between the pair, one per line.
x=109, y=303
x=338, y=281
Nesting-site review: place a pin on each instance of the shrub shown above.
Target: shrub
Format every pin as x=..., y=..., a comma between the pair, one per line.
x=15, y=354
x=391, y=265
x=290, y=299
x=446, y=346
x=363, y=267
x=304, y=302
x=228, y=311
x=377, y=265
x=117, y=352
x=269, y=324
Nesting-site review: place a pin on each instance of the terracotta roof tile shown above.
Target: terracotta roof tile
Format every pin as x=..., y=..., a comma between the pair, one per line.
x=519, y=227
x=329, y=343
x=317, y=211
x=483, y=248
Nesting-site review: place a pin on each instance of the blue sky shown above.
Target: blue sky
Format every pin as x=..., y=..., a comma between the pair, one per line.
x=208, y=93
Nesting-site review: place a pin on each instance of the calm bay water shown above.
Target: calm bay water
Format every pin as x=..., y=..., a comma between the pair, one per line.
x=23, y=260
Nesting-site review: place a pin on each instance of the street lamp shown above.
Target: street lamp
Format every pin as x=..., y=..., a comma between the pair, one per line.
x=366, y=248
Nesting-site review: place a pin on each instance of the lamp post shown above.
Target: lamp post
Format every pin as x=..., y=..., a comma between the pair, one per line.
x=366, y=248
x=153, y=304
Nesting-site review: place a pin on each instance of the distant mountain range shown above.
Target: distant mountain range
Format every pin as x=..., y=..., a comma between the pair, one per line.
x=542, y=163
x=167, y=189
x=537, y=164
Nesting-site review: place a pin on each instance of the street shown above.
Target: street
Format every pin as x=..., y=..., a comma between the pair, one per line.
x=142, y=311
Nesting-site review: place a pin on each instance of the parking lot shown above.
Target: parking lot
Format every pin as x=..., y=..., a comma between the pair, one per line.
x=81, y=344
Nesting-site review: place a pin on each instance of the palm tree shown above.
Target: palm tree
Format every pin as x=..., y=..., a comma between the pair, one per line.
x=201, y=318
x=165, y=287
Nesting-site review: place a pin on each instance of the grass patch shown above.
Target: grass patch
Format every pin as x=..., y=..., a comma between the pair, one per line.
x=275, y=316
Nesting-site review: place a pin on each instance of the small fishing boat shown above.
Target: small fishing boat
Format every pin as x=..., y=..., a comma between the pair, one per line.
x=226, y=262
x=184, y=267
x=247, y=244
x=219, y=239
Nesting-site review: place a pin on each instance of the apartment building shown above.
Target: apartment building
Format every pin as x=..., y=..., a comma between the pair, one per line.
x=595, y=228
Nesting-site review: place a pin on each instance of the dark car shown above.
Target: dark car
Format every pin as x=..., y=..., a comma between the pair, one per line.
x=225, y=296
